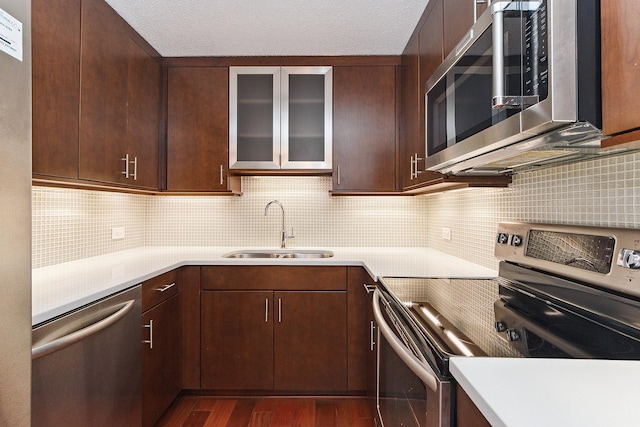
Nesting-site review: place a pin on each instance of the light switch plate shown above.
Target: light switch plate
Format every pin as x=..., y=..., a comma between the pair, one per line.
x=117, y=233
x=446, y=233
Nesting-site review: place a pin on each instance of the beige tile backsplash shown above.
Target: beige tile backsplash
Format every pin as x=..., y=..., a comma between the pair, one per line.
x=73, y=224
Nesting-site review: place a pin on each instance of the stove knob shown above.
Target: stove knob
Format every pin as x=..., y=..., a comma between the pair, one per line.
x=503, y=238
x=500, y=326
x=630, y=259
x=513, y=335
x=516, y=240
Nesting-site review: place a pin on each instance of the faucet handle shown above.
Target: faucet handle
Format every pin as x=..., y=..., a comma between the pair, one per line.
x=290, y=236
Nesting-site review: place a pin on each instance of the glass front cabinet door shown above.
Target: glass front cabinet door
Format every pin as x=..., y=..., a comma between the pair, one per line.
x=280, y=118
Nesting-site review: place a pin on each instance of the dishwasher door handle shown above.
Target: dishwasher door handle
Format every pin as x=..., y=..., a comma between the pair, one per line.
x=424, y=372
x=74, y=337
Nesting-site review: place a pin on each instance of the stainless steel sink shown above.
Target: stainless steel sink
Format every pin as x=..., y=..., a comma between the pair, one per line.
x=280, y=253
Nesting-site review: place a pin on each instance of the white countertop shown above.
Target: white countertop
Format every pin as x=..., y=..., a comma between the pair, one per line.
x=60, y=288
x=552, y=392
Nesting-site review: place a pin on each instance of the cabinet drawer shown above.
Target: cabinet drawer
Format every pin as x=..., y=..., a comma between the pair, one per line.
x=159, y=289
x=268, y=277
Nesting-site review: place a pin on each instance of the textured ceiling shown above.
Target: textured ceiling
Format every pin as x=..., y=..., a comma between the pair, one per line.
x=273, y=27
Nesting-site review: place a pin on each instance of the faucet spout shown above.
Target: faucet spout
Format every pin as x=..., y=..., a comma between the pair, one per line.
x=283, y=232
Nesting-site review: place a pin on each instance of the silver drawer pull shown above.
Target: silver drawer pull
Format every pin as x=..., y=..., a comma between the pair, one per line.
x=150, y=340
x=166, y=287
x=369, y=288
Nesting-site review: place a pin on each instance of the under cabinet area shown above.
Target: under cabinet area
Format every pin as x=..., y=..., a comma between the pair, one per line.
x=280, y=118
x=278, y=329
x=161, y=360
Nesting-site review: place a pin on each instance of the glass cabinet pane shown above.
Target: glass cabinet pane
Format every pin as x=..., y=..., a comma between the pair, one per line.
x=306, y=117
x=255, y=117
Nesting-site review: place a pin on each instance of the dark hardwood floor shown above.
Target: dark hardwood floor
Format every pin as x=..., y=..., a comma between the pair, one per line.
x=206, y=411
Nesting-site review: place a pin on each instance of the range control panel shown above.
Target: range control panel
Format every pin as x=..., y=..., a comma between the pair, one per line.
x=606, y=257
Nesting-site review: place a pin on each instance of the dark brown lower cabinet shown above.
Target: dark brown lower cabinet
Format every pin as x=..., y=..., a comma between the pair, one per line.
x=237, y=340
x=274, y=340
x=467, y=413
x=160, y=359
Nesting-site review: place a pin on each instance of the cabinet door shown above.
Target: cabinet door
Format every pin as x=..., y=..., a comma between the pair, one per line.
x=458, y=19
x=198, y=129
x=160, y=359
x=620, y=57
x=143, y=115
x=103, y=94
x=431, y=44
x=254, y=117
x=360, y=333
x=364, y=119
x=310, y=338
x=412, y=142
x=306, y=117
x=237, y=340
x=56, y=86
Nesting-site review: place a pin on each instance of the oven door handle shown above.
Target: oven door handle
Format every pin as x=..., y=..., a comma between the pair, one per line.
x=423, y=371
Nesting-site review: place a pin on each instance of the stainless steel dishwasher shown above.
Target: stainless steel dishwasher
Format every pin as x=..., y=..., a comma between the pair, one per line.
x=86, y=366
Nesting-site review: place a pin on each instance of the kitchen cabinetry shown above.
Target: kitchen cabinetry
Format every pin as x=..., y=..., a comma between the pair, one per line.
x=361, y=332
x=620, y=58
x=365, y=131
x=96, y=97
x=280, y=118
x=161, y=380
x=198, y=130
x=56, y=87
x=467, y=413
x=274, y=328
x=120, y=99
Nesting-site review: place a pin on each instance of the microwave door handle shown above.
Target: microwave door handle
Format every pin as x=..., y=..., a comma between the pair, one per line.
x=423, y=371
x=497, y=33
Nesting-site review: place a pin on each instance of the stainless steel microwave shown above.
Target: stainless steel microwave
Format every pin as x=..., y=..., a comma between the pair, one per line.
x=521, y=89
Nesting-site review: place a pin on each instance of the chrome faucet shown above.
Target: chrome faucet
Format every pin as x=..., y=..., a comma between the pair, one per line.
x=283, y=233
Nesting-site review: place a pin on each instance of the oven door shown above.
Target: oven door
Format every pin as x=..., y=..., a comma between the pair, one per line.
x=409, y=392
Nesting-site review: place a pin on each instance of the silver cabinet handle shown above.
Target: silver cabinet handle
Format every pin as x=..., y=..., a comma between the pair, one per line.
x=372, y=340
x=423, y=371
x=74, y=337
x=369, y=288
x=125, y=159
x=338, y=180
x=266, y=310
x=412, y=167
x=415, y=171
x=279, y=310
x=166, y=287
x=221, y=175
x=135, y=169
x=150, y=340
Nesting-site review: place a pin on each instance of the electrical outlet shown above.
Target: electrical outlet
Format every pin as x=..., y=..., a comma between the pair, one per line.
x=117, y=233
x=446, y=233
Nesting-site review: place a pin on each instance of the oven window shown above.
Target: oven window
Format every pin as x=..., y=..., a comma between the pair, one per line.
x=402, y=397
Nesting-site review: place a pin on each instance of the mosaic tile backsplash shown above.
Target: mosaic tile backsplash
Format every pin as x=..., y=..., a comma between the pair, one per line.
x=73, y=224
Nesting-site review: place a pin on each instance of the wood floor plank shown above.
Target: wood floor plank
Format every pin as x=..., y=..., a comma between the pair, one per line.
x=178, y=412
x=221, y=413
x=196, y=419
x=206, y=411
x=241, y=415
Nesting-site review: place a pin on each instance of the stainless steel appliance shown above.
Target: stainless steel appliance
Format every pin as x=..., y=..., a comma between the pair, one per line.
x=86, y=366
x=568, y=291
x=414, y=386
x=521, y=89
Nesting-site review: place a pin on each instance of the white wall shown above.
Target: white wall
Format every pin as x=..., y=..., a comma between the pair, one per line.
x=15, y=225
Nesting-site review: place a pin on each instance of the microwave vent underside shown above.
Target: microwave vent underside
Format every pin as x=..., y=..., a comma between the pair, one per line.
x=528, y=158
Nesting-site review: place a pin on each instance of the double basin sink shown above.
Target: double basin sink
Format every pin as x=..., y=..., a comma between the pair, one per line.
x=279, y=253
